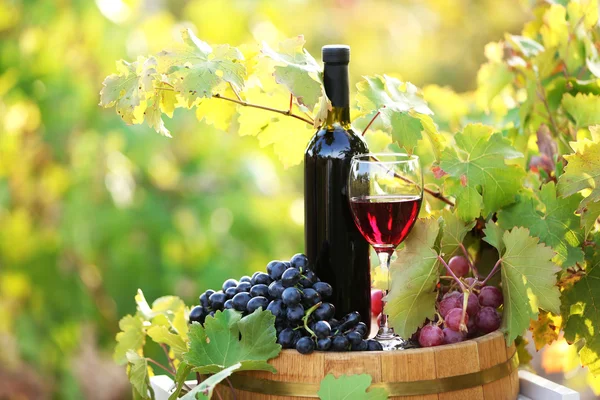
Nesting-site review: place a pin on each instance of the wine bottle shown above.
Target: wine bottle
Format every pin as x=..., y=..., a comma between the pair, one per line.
x=334, y=245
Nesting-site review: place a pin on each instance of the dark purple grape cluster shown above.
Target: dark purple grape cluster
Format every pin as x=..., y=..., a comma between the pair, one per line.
x=304, y=320
x=481, y=316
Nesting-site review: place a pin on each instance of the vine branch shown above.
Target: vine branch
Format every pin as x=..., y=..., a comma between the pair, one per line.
x=275, y=110
x=235, y=92
x=161, y=366
x=164, y=347
x=492, y=272
x=371, y=123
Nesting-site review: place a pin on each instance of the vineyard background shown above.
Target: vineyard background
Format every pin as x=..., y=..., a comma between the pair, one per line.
x=91, y=209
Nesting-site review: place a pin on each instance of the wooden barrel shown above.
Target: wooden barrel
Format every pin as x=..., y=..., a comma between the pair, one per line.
x=482, y=368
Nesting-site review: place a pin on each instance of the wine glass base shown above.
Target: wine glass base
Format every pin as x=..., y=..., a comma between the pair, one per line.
x=394, y=343
x=389, y=340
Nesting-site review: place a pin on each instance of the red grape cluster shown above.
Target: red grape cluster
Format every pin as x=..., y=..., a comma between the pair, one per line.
x=463, y=315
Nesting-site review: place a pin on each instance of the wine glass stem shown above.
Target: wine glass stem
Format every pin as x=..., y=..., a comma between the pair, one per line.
x=385, y=331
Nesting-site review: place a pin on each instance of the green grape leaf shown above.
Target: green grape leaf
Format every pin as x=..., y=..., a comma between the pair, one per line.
x=581, y=315
x=161, y=334
x=528, y=280
x=197, y=70
x=403, y=111
x=453, y=232
x=138, y=374
x=406, y=130
x=414, y=275
x=131, y=337
x=127, y=89
x=205, y=389
x=298, y=71
x=218, y=345
x=166, y=305
x=583, y=108
x=478, y=176
x=528, y=47
x=348, y=387
x=551, y=219
x=139, y=93
x=377, y=92
x=493, y=235
x=589, y=216
x=582, y=171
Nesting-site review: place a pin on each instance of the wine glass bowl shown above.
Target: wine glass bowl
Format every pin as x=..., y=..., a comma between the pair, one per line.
x=385, y=191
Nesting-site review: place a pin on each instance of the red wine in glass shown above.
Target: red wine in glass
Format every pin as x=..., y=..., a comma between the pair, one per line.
x=385, y=192
x=385, y=220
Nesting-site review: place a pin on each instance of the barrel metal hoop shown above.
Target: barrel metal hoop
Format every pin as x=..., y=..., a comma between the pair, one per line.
x=299, y=389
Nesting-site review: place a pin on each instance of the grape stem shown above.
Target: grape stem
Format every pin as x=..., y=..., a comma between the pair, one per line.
x=235, y=92
x=161, y=366
x=463, y=326
x=462, y=286
x=305, y=318
x=492, y=272
x=164, y=347
x=231, y=388
x=446, y=277
x=275, y=110
x=371, y=122
x=471, y=263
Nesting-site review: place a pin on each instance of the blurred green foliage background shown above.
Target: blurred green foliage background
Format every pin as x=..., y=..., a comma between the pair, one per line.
x=91, y=209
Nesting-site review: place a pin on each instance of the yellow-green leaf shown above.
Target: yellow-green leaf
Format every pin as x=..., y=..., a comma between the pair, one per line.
x=583, y=108
x=414, y=275
x=479, y=178
x=131, y=337
x=528, y=281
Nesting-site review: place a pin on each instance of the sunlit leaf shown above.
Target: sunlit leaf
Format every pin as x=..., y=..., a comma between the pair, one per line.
x=528, y=281
x=298, y=70
x=131, y=337
x=582, y=171
x=551, y=219
x=583, y=108
x=414, y=275
x=479, y=178
x=217, y=344
x=138, y=374
x=581, y=315
x=454, y=231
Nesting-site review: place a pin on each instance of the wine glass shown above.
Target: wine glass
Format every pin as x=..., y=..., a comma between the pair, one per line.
x=385, y=192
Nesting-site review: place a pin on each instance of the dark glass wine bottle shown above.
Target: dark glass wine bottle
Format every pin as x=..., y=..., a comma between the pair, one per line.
x=333, y=243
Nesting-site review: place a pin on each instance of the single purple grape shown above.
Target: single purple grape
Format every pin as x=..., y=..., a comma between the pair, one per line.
x=431, y=335
x=490, y=296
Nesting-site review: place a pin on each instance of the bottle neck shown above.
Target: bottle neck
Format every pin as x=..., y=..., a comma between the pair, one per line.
x=337, y=87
